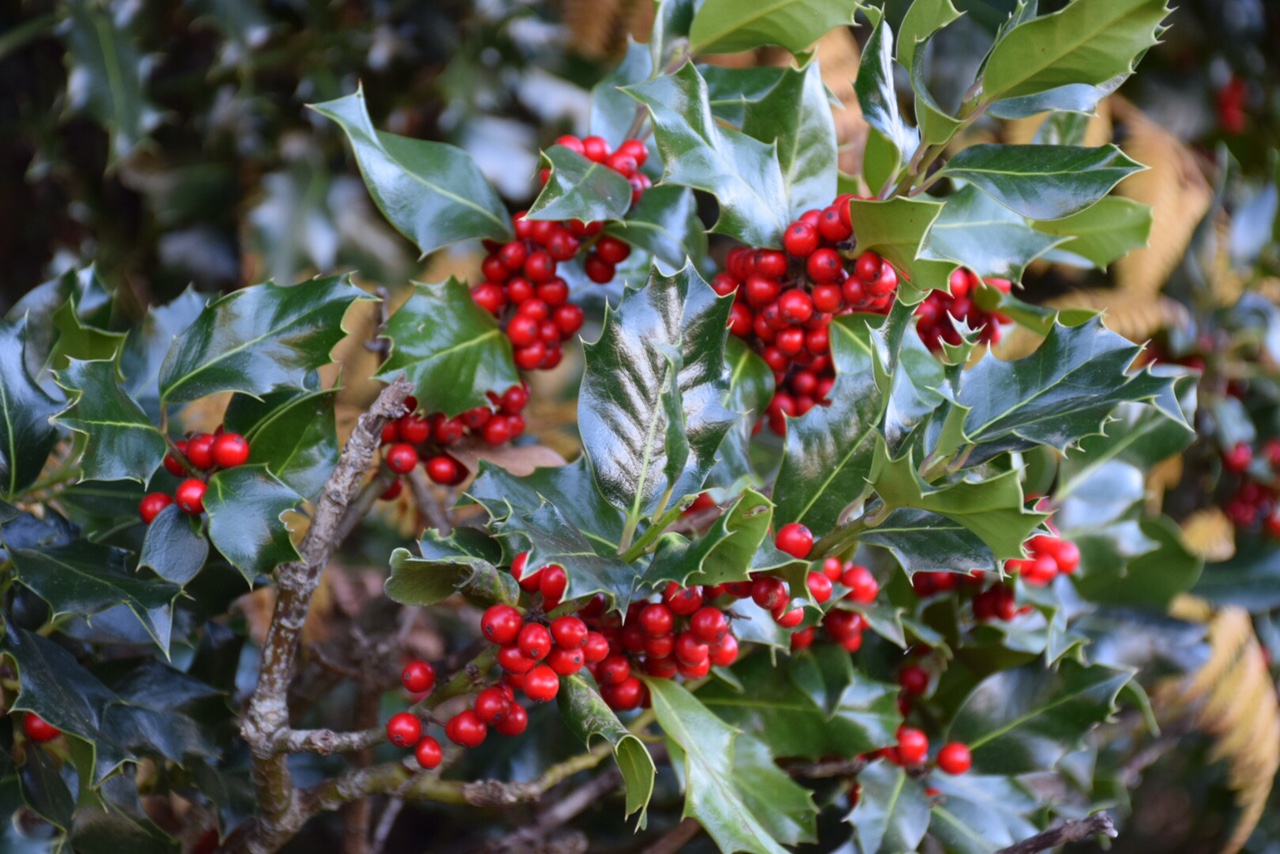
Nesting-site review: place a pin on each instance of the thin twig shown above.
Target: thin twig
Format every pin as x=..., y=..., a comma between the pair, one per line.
x=325, y=741
x=386, y=822
x=676, y=838
x=529, y=837
x=1098, y=824
x=428, y=504
x=827, y=770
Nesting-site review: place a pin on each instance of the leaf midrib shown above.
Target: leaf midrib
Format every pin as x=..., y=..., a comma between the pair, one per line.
x=377, y=142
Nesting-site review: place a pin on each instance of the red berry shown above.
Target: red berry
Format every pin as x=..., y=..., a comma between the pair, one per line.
x=954, y=758
x=827, y=298
x=794, y=539
x=38, y=729
x=514, y=399
x=393, y=491
x=449, y=430
x=626, y=695
x=771, y=263
x=595, y=148
x=190, y=496
x=540, y=267
x=566, y=662
x=709, y=624
x=501, y=624
x=598, y=270
x=862, y=585
x=151, y=505
x=404, y=729
x=491, y=705
x=1067, y=554
x=682, y=601
x=802, y=639
x=832, y=226
x=512, y=660
x=914, y=679
x=401, y=458
x=868, y=267
x=200, y=451
x=760, y=291
x=662, y=646
x=466, y=729
x=819, y=587
x=824, y=266
x=569, y=632
x=787, y=619
x=498, y=430
x=796, y=305
x=614, y=669
x=596, y=649
x=612, y=249
x=516, y=721
x=691, y=650
x=171, y=463
x=568, y=319
x=800, y=239
x=552, y=583
x=621, y=163
x=768, y=592
x=656, y=619
x=725, y=652
x=913, y=745
x=541, y=684
x=534, y=640
x=418, y=677
x=428, y=752
x=445, y=470
x=635, y=149
x=231, y=450
x=694, y=671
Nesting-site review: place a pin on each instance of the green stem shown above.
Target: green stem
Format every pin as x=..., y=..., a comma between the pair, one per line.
x=651, y=534
x=841, y=538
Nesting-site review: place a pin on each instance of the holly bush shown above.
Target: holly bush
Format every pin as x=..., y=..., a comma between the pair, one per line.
x=830, y=533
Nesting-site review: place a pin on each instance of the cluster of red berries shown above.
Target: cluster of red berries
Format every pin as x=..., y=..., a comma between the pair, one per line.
x=935, y=312
x=912, y=750
x=521, y=287
x=204, y=452
x=1050, y=557
x=37, y=729
x=784, y=302
x=1254, y=500
x=841, y=626
x=414, y=437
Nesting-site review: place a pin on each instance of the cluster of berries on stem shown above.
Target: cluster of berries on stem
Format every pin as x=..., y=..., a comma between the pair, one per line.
x=1254, y=501
x=201, y=454
x=933, y=315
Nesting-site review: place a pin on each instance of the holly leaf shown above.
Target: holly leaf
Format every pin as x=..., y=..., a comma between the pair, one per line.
x=1147, y=566
x=1042, y=181
x=587, y=717
x=828, y=451
x=44, y=791
x=740, y=799
x=87, y=578
x=121, y=443
x=433, y=193
x=665, y=223
x=892, y=813
x=742, y=173
x=797, y=114
x=980, y=814
x=1026, y=719
x=1087, y=42
x=26, y=436
x=730, y=90
x=174, y=546
x=724, y=553
x=450, y=348
x=1100, y=234
x=78, y=340
x=1078, y=99
x=725, y=26
x=1250, y=579
x=92, y=303
x=53, y=684
x=922, y=541
x=464, y=562
x=896, y=229
x=988, y=238
x=824, y=674
x=258, y=339
x=650, y=408
x=579, y=188
x=923, y=19
x=245, y=506
x=878, y=97
x=106, y=75
x=292, y=433
x=612, y=111
x=148, y=343
x=750, y=390
x=1057, y=395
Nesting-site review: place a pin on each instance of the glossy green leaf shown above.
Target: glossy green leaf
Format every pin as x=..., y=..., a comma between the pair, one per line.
x=724, y=553
x=1249, y=579
x=1026, y=719
x=53, y=684
x=665, y=223
x=751, y=387
x=148, y=343
x=258, y=339
x=1042, y=181
x=612, y=111
x=1101, y=234
x=174, y=546
x=878, y=97
x=103, y=831
x=936, y=125
x=465, y=562
x=1076, y=98
x=90, y=298
x=923, y=19
x=651, y=405
x=1162, y=569
x=553, y=540
x=979, y=814
x=892, y=813
x=450, y=348
x=726, y=26
x=44, y=790
x=433, y=193
x=795, y=721
x=1087, y=42
x=927, y=542
x=78, y=340
x=974, y=231
x=587, y=717
x=741, y=813
x=797, y=114
x=292, y=433
x=896, y=229
x=245, y=506
x=912, y=379
x=1059, y=394
x=122, y=443
x=731, y=89
x=26, y=436
x=742, y=173
x=824, y=673
x=106, y=74
x=579, y=188
x=86, y=578
x=829, y=450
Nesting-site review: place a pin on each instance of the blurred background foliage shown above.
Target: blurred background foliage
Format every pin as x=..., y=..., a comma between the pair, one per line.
x=169, y=143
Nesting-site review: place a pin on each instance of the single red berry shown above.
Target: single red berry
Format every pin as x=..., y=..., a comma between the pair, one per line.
x=38, y=729
x=514, y=399
x=661, y=667
x=200, y=451
x=393, y=491
x=725, y=653
x=151, y=505
x=914, y=679
x=771, y=263
x=512, y=660
x=612, y=249
x=596, y=649
x=708, y=623
x=796, y=305
x=516, y=721
x=404, y=729
x=566, y=662
x=955, y=758
x=1067, y=554
x=827, y=298
x=819, y=587
x=614, y=669
x=656, y=619
x=635, y=149
x=832, y=226
x=428, y=752
x=569, y=632
x=694, y=671
x=768, y=592
x=540, y=267
x=534, y=641
x=418, y=677
x=519, y=571
x=466, y=729
x=230, y=450
x=913, y=745
x=662, y=646
x=800, y=239
x=868, y=267
x=691, y=650
x=569, y=319
x=862, y=585
x=682, y=601
x=626, y=695
x=824, y=266
x=598, y=270
x=491, y=705
x=414, y=429
x=1237, y=458
x=498, y=430
x=190, y=496
x=552, y=583
x=595, y=148
x=787, y=619
x=171, y=463
x=794, y=539
x=501, y=624
x=449, y=430
x=401, y=458
x=445, y=470
x=541, y=684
